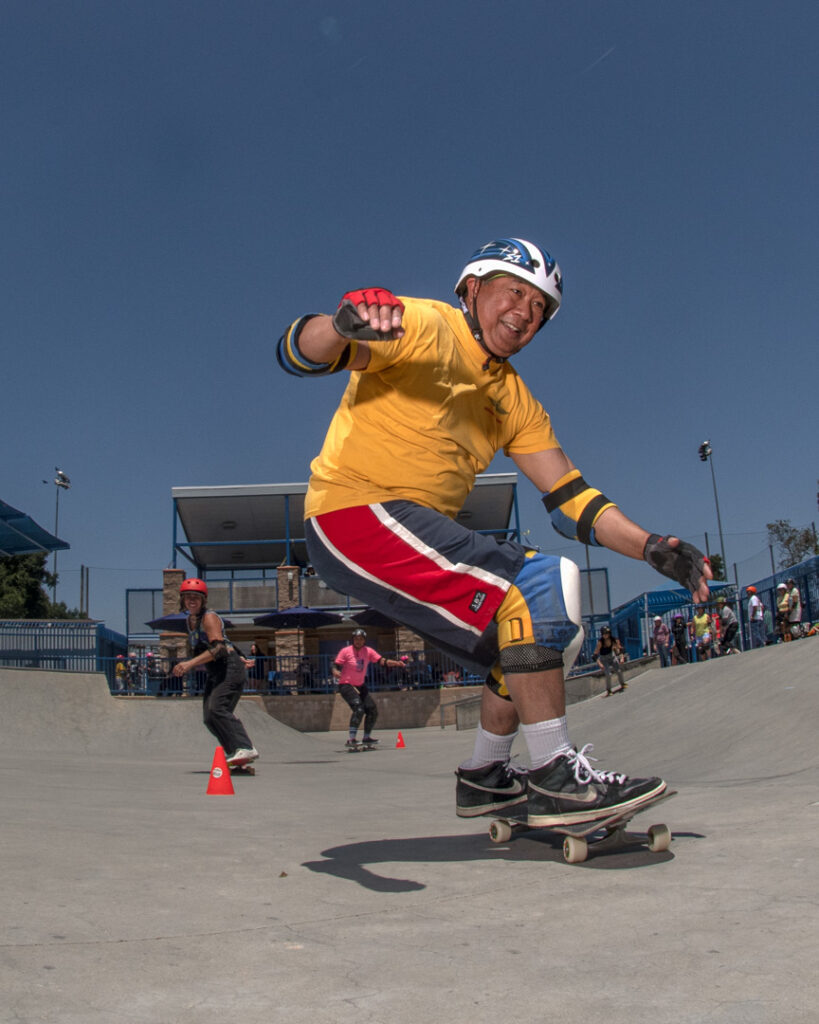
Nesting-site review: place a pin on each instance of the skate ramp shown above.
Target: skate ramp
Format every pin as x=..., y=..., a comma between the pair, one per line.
x=75, y=713
x=335, y=893
x=735, y=719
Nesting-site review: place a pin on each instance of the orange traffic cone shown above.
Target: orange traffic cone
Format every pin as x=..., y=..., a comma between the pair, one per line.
x=220, y=781
x=400, y=741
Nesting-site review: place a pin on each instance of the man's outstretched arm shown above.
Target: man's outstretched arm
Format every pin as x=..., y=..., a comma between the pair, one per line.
x=598, y=521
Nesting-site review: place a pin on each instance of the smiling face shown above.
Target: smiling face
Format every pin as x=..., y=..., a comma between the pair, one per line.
x=510, y=312
x=193, y=602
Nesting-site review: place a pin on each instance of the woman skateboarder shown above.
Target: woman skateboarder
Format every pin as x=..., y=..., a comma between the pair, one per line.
x=226, y=673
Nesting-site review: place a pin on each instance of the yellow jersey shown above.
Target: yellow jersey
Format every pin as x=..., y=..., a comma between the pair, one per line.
x=428, y=413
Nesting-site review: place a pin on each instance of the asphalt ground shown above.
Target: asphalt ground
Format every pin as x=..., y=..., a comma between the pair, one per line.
x=336, y=887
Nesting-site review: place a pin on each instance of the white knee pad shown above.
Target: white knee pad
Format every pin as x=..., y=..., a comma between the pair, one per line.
x=570, y=580
x=550, y=589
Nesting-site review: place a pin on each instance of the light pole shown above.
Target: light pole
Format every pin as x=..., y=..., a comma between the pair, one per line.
x=62, y=483
x=707, y=455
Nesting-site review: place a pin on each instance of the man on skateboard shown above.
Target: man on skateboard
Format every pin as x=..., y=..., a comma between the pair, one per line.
x=431, y=398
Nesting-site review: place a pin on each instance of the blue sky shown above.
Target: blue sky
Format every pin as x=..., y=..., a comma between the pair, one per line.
x=181, y=179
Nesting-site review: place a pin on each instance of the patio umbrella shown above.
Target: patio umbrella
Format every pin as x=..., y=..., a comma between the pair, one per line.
x=298, y=618
x=372, y=617
x=176, y=622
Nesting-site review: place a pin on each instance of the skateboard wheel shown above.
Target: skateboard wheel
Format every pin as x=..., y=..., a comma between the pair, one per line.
x=500, y=831
x=659, y=838
x=575, y=849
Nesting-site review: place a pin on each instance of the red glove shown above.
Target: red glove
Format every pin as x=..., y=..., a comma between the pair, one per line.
x=349, y=324
x=372, y=297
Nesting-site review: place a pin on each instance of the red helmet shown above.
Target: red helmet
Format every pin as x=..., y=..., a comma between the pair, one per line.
x=194, y=586
x=750, y=590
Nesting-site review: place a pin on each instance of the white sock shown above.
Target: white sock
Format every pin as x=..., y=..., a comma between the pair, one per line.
x=546, y=740
x=490, y=747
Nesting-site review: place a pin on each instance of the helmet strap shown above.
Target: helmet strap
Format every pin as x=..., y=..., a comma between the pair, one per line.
x=474, y=325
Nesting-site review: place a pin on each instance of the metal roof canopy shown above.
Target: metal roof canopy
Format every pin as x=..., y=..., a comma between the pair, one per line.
x=261, y=526
x=657, y=602
x=20, y=535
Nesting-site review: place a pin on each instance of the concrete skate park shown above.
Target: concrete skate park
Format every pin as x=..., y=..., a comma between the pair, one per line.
x=334, y=887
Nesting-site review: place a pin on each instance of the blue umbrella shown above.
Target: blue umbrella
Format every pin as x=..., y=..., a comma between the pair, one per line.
x=372, y=617
x=176, y=622
x=298, y=618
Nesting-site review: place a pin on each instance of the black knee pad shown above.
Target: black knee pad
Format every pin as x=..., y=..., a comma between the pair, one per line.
x=529, y=658
x=357, y=713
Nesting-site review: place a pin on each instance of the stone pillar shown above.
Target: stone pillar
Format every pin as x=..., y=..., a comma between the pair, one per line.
x=408, y=641
x=171, y=646
x=288, y=641
x=171, y=582
x=288, y=648
x=288, y=579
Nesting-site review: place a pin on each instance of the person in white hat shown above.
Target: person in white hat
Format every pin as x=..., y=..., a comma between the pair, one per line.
x=662, y=640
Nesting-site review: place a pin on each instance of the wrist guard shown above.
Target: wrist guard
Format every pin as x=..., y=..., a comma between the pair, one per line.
x=684, y=563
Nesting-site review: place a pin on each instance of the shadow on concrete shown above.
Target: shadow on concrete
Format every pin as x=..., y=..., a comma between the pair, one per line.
x=353, y=861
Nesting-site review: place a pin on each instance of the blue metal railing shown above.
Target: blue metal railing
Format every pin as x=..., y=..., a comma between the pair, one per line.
x=82, y=646
x=288, y=674
x=68, y=645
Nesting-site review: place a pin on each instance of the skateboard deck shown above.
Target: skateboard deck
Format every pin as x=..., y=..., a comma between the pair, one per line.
x=242, y=769
x=361, y=746
x=606, y=831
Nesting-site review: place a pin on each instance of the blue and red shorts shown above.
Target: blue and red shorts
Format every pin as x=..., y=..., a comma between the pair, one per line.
x=422, y=569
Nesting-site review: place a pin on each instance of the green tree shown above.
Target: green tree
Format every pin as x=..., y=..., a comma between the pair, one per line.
x=717, y=568
x=792, y=543
x=23, y=582
x=21, y=587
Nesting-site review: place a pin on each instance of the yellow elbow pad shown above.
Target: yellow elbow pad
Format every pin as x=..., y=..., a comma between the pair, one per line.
x=575, y=507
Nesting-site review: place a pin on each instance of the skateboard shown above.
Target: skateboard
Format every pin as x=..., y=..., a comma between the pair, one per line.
x=604, y=832
x=355, y=749
x=245, y=768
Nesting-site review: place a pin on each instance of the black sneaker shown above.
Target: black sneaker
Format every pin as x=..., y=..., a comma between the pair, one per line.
x=568, y=791
x=490, y=788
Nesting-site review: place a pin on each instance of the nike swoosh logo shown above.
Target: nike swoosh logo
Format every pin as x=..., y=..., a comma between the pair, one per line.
x=509, y=790
x=588, y=796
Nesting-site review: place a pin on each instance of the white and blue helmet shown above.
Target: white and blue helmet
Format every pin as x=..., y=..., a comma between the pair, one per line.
x=518, y=258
